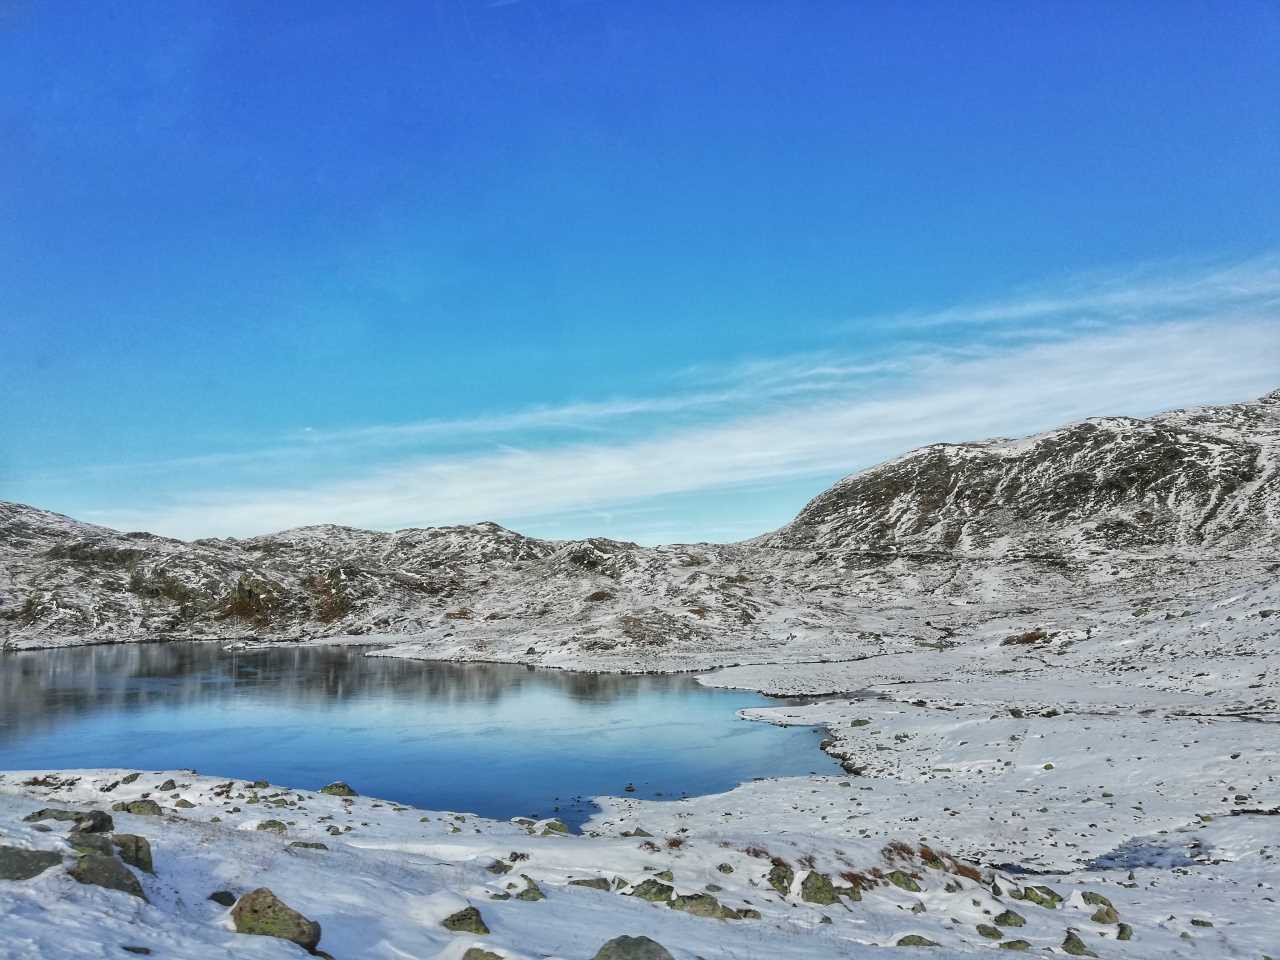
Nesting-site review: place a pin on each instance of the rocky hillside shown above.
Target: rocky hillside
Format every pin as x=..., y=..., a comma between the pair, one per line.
x=1206, y=479
x=946, y=525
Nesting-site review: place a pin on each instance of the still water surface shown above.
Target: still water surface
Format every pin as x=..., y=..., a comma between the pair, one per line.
x=493, y=739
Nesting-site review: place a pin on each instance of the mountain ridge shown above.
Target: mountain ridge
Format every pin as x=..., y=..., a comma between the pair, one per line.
x=1045, y=512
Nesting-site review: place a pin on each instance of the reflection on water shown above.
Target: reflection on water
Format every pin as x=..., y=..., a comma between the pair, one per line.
x=495, y=739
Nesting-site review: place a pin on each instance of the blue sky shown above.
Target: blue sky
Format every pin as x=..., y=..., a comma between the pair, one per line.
x=653, y=271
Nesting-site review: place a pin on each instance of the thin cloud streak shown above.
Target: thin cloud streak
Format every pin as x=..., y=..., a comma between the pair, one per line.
x=1007, y=391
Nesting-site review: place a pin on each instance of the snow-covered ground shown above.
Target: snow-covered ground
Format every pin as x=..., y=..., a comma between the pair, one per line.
x=389, y=875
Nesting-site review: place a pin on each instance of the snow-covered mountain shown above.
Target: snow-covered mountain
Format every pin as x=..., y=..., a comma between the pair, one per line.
x=1121, y=501
x=1203, y=480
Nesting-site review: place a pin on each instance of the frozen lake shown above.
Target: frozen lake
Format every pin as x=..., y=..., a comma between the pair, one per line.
x=492, y=739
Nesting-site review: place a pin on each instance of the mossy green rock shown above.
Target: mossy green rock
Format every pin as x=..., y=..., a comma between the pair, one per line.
x=1018, y=945
x=106, y=872
x=309, y=845
x=914, y=940
x=652, y=890
x=476, y=953
x=781, y=876
x=88, y=843
x=702, y=905
x=594, y=883
x=990, y=932
x=1124, y=932
x=466, y=920
x=1073, y=945
x=633, y=948
x=903, y=881
x=339, y=788
x=817, y=888
x=1009, y=919
x=19, y=864
x=1095, y=899
x=134, y=850
x=1041, y=896
x=1105, y=915
x=139, y=808
x=531, y=892
x=553, y=827
x=274, y=826
x=261, y=913
x=666, y=876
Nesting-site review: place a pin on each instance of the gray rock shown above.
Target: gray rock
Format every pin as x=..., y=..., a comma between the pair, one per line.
x=84, y=843
x=224, y=898
x=95, y=821
x=19, y=864
x=135, y=851
x=261, y=913
x=106, y=872
x=633, y=948
x=309, y=844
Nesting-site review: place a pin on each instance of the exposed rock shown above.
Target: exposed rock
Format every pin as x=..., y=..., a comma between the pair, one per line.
x=816, y=888
x=476, y=953
x=1106, y=915
x=903, y=881
x=274, y=826
x=466, y=920
x=531, y=892
x=184, y=804
x=95, y=869
x=653, y=890
x=19, y=864
x=914, y=940
x=990, y=932
x=83, y=843
x=167, y=787
x=702, y=905
x=781, y=876
x=139, y=808
x=633, y=948
x=339, y=788
x=261, y=913
x=1009, y=919
x=1124, y=932
x=309, y=844
x=224, y=898
x=1018, y=945
x=95, y=821
x=595, y=883
x=1073, y=945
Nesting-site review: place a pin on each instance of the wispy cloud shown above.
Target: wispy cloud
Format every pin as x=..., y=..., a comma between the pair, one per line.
x=1004, y=390
x=1141, y=295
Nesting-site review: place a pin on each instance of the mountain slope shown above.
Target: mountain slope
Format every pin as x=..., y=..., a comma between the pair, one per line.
x=1123, y=502
x=1197, y=480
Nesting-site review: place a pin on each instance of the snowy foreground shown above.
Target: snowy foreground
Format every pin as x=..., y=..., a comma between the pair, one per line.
x=960, y=815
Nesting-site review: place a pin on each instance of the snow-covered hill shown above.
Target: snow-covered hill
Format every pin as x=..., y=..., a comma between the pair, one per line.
x=1136, y=505
x=1201, y=480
